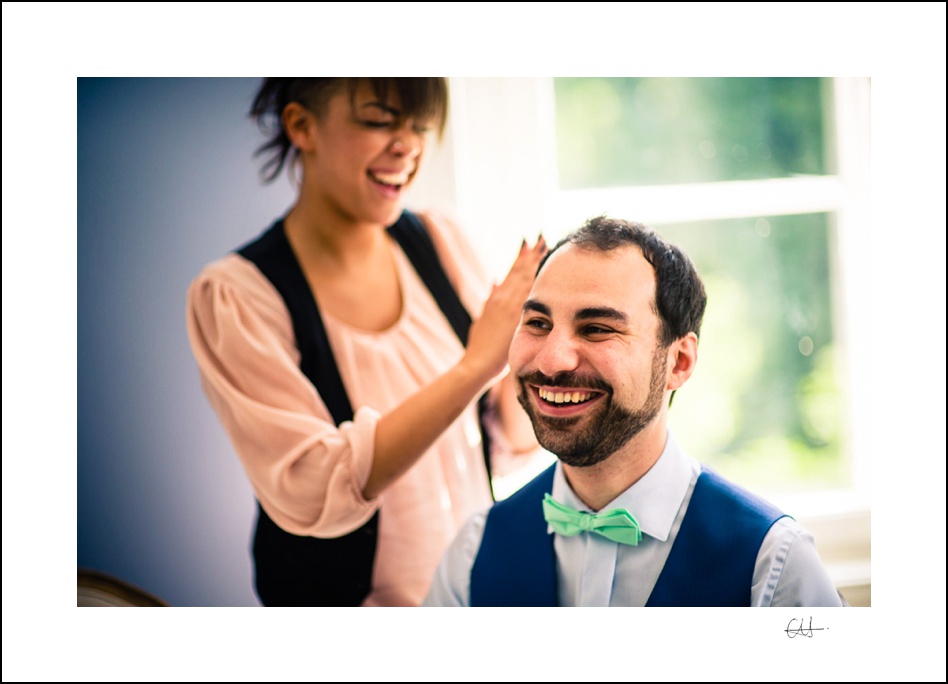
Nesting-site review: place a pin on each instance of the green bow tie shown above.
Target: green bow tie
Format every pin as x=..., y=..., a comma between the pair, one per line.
x=616, y=524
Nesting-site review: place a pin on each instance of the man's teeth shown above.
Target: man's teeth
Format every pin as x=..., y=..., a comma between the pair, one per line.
x=390, y=178
x=565, y=397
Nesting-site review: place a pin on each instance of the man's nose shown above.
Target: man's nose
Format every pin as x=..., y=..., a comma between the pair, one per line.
x=557, y=354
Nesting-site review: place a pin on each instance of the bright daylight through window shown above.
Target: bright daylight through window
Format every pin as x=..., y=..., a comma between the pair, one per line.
x=766, y=405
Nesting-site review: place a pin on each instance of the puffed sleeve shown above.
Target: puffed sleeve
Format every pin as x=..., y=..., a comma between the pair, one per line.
x=307, y=473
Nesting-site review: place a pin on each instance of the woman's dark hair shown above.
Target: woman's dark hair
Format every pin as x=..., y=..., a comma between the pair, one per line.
x=680, y=299
x=425, y=99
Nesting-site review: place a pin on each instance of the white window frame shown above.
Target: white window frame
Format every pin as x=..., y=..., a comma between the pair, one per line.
x=496, y=172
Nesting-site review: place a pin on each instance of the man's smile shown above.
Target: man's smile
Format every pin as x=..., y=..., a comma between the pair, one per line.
x=564, y=401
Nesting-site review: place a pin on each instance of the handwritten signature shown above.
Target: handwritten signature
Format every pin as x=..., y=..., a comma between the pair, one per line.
x=797, y=627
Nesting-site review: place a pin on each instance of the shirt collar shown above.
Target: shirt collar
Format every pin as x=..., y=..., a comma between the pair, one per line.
x=654, y=500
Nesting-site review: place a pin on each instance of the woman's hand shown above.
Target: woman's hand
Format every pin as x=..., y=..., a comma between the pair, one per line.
x=403, y=434
x=490, y=335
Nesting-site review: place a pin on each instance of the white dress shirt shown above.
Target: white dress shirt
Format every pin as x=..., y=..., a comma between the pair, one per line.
x=594, y=571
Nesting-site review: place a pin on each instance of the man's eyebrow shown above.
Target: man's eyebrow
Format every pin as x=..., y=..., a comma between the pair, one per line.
x=534, y=305
x=600, y=312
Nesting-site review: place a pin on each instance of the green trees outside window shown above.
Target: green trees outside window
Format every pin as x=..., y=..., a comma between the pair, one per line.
x=765, y=405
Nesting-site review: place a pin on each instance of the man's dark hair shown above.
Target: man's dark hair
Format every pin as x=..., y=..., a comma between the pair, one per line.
x=680, y=298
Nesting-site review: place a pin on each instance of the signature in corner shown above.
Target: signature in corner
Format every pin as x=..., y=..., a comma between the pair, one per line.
x=797, y=627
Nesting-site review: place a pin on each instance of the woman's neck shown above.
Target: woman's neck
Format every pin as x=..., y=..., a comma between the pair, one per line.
x=349, y=266
x=327, y=236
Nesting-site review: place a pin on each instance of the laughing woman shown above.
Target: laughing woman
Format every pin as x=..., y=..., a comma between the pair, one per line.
x=355, y=353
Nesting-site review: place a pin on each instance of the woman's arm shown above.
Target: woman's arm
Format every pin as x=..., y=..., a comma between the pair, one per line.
x=306, y=472
x=507, y=421
x=404, y=434
x=312, y=477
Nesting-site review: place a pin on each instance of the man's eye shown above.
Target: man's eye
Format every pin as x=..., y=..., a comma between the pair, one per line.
x=376, y=124
x=596, y=330
x=537, y=324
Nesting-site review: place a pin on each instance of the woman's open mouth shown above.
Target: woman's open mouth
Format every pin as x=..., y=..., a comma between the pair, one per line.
x=389, y=184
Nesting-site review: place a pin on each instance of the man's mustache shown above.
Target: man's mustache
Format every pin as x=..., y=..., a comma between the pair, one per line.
x=566, y=379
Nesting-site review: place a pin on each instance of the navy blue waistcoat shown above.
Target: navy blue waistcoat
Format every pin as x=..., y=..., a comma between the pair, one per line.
x=711, y=562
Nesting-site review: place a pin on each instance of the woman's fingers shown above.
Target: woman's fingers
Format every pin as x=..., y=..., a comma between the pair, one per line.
x=528, y=259
x=491, y=334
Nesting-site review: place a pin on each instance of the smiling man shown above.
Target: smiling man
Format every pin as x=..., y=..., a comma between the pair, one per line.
x=624, y=517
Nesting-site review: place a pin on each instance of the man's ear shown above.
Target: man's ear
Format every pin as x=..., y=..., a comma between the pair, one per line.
x=683, y=355
x=300, y=126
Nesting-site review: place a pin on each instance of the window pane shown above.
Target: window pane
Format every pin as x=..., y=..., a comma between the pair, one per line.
x=764, y=404
x=632, y=131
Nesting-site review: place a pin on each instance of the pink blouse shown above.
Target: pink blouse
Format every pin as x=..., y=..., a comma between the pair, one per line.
x=308, y=473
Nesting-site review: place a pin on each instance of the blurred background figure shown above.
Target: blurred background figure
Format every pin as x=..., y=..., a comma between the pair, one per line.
x=342, y=358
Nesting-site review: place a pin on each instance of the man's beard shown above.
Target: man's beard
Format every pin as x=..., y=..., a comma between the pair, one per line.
x=610, y=429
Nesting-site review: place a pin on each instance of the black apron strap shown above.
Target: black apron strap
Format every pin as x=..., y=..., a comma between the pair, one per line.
x=274, y=257
x=413, y=238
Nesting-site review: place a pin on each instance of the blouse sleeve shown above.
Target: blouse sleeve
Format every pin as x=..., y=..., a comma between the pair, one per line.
x=307, y=473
